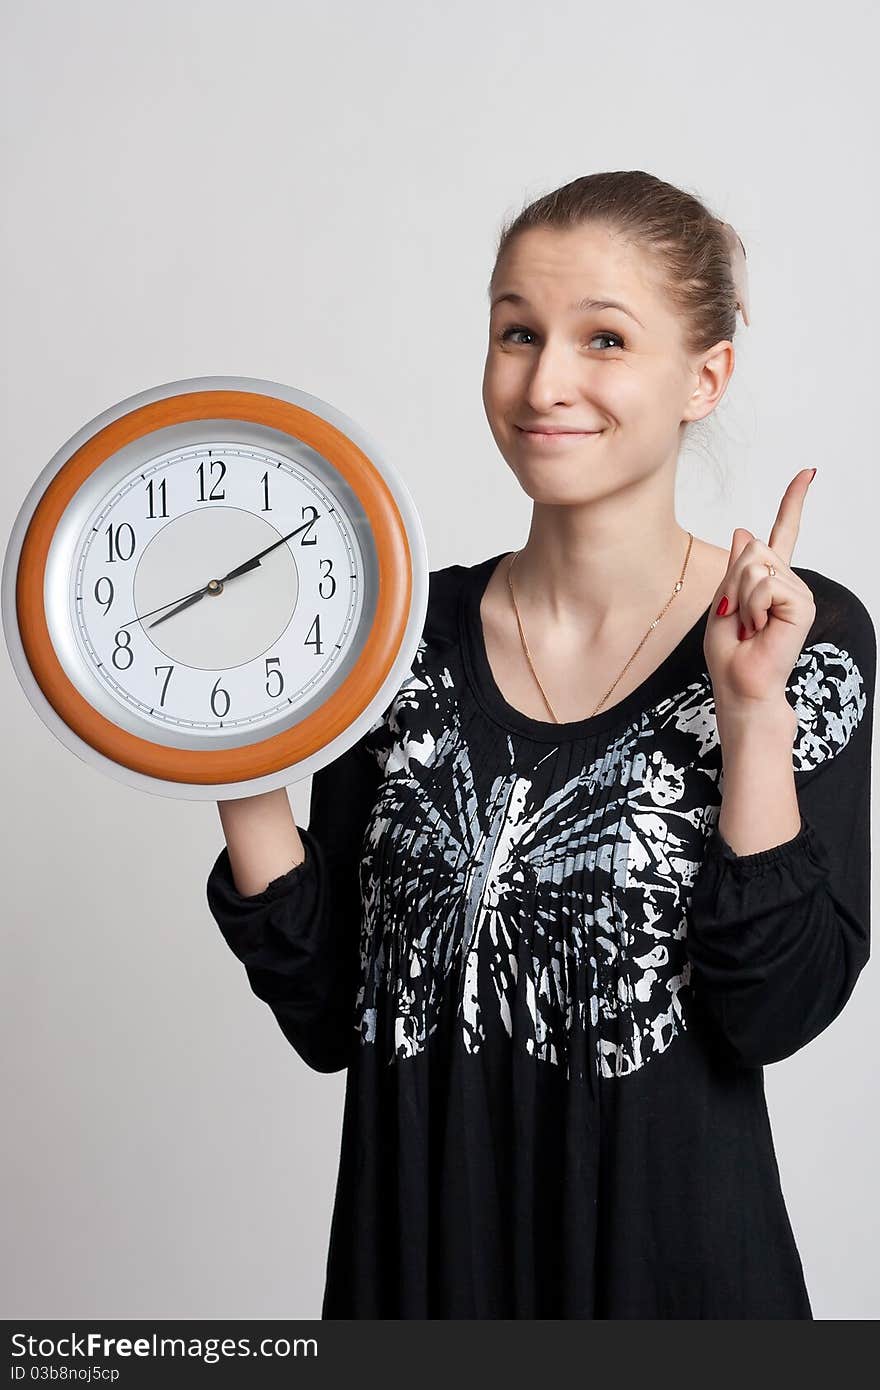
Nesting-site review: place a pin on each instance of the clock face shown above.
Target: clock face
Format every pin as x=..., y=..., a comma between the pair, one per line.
x=255, y=646
x=214, y=587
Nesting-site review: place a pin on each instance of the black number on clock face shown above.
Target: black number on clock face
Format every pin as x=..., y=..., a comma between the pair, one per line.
x=219, y=713
x=104, y=579
x=151, y=516
x=305, y=538
x=274, y=694
x=329, y=575
x=156, y=670
x=123, y=646
x=212, y=496
x=117, y=539
x=315, y=641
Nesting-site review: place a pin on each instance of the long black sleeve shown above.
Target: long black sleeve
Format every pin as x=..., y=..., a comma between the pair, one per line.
x=777, y=939
x=299, y=939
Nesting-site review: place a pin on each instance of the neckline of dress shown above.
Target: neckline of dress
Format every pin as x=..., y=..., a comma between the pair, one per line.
x=489, y=693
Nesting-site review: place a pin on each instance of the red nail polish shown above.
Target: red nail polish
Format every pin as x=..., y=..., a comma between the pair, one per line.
x=742, y=632
x=812, y=475
x=722, y=607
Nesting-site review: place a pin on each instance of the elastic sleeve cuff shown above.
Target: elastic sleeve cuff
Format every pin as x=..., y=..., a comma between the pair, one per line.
x=223, y=894
x=739, y=901
x=804, y=840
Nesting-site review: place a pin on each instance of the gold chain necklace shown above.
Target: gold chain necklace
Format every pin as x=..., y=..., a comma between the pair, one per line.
x=528, y=654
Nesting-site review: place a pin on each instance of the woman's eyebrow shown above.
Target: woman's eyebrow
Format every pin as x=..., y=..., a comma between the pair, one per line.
x=582, y=305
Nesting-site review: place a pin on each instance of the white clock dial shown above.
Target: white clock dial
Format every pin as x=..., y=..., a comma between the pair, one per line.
x=250, y=650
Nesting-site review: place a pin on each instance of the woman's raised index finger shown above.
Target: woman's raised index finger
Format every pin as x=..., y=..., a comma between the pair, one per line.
x=788, y=518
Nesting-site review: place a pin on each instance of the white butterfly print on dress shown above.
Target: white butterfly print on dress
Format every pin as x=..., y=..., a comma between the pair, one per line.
x=558, y=912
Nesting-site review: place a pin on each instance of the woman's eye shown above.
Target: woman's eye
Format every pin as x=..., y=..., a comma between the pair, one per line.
x=506, y=336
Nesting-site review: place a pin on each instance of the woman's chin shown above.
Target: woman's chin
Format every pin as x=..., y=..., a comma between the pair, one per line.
x=554, y=492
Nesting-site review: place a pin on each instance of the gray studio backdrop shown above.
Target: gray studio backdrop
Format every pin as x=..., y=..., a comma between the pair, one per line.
x=310, y=193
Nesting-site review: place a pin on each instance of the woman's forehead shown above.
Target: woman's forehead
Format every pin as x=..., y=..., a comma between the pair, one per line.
x=583, y=268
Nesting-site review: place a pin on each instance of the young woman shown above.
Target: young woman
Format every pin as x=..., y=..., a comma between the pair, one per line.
x=604, y=856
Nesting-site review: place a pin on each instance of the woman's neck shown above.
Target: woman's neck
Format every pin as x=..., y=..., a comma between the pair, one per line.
x=593, y=582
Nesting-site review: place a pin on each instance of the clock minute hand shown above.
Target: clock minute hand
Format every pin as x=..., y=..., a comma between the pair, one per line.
x=187, y=603
x=244, y=568
x=139, y=617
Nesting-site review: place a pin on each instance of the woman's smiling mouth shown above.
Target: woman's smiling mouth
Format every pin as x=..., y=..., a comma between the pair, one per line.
x=555, y=438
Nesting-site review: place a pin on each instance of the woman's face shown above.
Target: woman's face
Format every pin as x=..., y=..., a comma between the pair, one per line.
x=621, y=375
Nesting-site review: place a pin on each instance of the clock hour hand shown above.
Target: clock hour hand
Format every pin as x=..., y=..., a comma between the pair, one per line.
x=255, y=559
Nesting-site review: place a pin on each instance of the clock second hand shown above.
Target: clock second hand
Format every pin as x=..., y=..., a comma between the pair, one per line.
x=194, y=597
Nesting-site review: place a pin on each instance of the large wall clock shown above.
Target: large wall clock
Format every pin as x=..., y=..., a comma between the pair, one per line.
x=214, y=588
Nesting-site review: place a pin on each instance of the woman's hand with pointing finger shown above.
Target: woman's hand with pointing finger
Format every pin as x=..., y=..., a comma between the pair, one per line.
x=754, y=639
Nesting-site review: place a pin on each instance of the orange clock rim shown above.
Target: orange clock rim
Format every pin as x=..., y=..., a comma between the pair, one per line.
x=339, y=710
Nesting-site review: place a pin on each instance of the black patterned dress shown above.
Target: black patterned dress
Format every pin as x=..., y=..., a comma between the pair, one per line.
x=555, y=986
